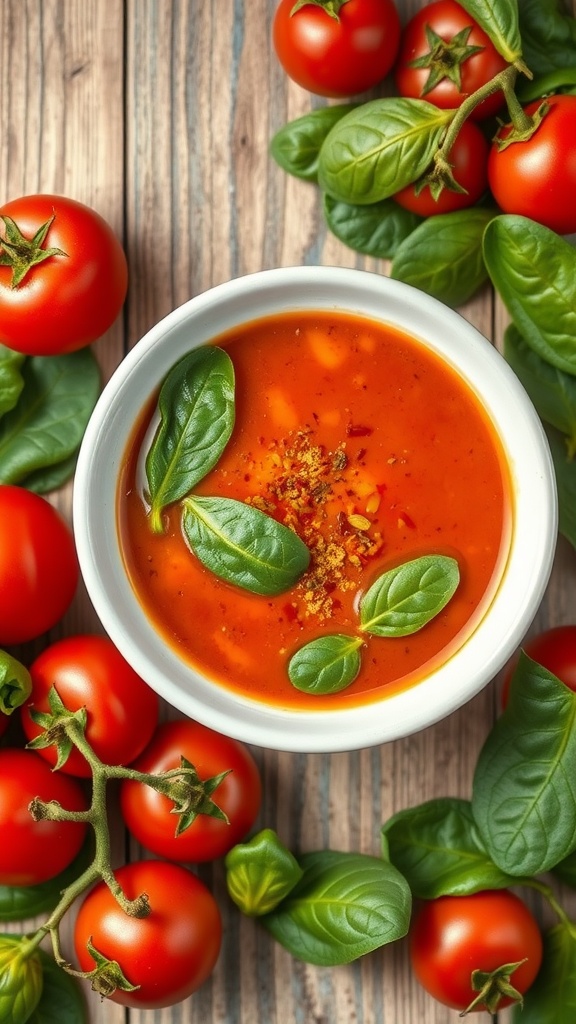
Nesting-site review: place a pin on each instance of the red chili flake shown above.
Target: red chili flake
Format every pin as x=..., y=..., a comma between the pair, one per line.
x=381, y=488
x=357, y=430
x=290, y=611
x=406, y=520
x=361, y=454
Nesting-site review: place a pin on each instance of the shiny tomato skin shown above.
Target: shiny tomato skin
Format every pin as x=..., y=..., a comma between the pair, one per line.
x=452, y=936
x=337, y=57
x=35, y=851
x=555, y=649
x=447, y=18
x=537, y=178
x=469, y=159
x=170, y=953
x=147, y=813
x=64, y=302
x=89, y=671
x=38, y=565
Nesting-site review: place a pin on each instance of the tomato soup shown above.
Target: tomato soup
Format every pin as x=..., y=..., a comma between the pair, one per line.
x=374, y=452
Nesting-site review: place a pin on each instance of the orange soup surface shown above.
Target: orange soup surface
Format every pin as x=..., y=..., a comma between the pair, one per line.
x=375, y=452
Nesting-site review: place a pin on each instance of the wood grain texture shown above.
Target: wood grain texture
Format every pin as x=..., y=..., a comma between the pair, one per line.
x=159, y=114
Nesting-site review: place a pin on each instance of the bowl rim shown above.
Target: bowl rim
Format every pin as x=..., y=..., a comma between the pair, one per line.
x=512, y=607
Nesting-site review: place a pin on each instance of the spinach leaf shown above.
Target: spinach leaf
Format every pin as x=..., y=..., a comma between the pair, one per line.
x=345, y=905
x=19, y=902
x=565, y=473
x=379, y=147
x=565, y=870
x=436, y=846
x=524, y=789
x=11, y=382
x=548, y=36
x=402, y=600
x=499, y=20
x=443, y=255
x=242, y=545
x=47, y=424
x=326, y=665
x=552, y=391
x=552, y=997
x=296, y=146
x=197, y=411
x=62, y=1000
x=534, y=271
x=375, y=230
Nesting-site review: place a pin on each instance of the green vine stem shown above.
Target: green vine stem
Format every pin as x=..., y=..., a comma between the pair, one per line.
x=548, y=894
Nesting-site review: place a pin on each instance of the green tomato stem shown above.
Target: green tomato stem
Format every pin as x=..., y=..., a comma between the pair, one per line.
x=548, y=894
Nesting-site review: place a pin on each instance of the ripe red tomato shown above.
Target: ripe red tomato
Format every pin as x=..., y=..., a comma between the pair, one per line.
x=555, y=649
x=452, y=936
x=89, y=671
x=446, y=19
x=469, y=158
x=537, y=178
x=337, y=56
x=170, y=953
x=34, y=851
x=38, y=565
x=68, y=299
x=147, y=813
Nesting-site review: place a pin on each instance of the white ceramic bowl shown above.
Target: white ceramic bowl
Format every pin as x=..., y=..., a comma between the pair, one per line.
x=533, y=536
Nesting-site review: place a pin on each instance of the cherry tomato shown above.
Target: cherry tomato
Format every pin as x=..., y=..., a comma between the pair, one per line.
x=536, y=178
x=469, y=158
x=452, y=936
x=89, y=671
x=147, y=813
x=34, y=851
x=341, y=55
x=170, y=953
x=70, y=298
x=38, y=565
x=555, y=649
x=445, y=81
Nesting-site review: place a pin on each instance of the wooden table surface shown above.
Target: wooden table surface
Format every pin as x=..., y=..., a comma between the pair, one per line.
x=159, y=115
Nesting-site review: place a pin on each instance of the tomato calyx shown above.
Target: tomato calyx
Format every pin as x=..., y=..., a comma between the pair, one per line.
x=330, y=7
x=107, y=976
x=444, y=58
x=21, y=253
x=59, y=725
x=492, y=987
x=190, y=794
x=523, y=127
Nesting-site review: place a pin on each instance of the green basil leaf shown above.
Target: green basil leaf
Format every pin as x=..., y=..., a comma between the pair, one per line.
x=375, y=230
x=242, y=545
x=443, y=255
x=402, y=600
x=565, y=473
x=379, y=147
x=436, y=846
x=260, y=873
x=19, y=902
x=552, y=997
x=552, y=391
x=565, y=870
x=534, y=271
x=296, y=146
x=499, y=20
x=562, y=80
x=62, y=1000
x=42, y=481
x=197, y=410
x=548, y=36
x=21, y=980
x=48, y=422
x=326, y=665
x=345, y=905
x=11, y=382
x=524, y=789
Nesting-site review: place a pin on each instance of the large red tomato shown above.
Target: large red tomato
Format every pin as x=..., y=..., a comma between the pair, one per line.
x=340, y=53
x=34, y=851
x=452, y=936
x=89, y=671
x=447, y=72
x=67, y=283
x=168, y=954
x=536, y=178
x=469, y=158
x=148, y=814
x=38, y=565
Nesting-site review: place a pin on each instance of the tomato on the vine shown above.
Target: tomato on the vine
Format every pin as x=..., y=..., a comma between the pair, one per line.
x=536, y=177
x=445, y=56
x=555, y=650
x=169, y=953
x=35, y=851
x=63, y=275
x=468, y=158
x=38, y=565
x=336, y=47
x=453, y=936
x=89, y=671
x=148, y=814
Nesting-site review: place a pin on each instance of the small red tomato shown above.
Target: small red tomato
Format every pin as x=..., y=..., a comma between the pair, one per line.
x=469, y=158
x=554, y=649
